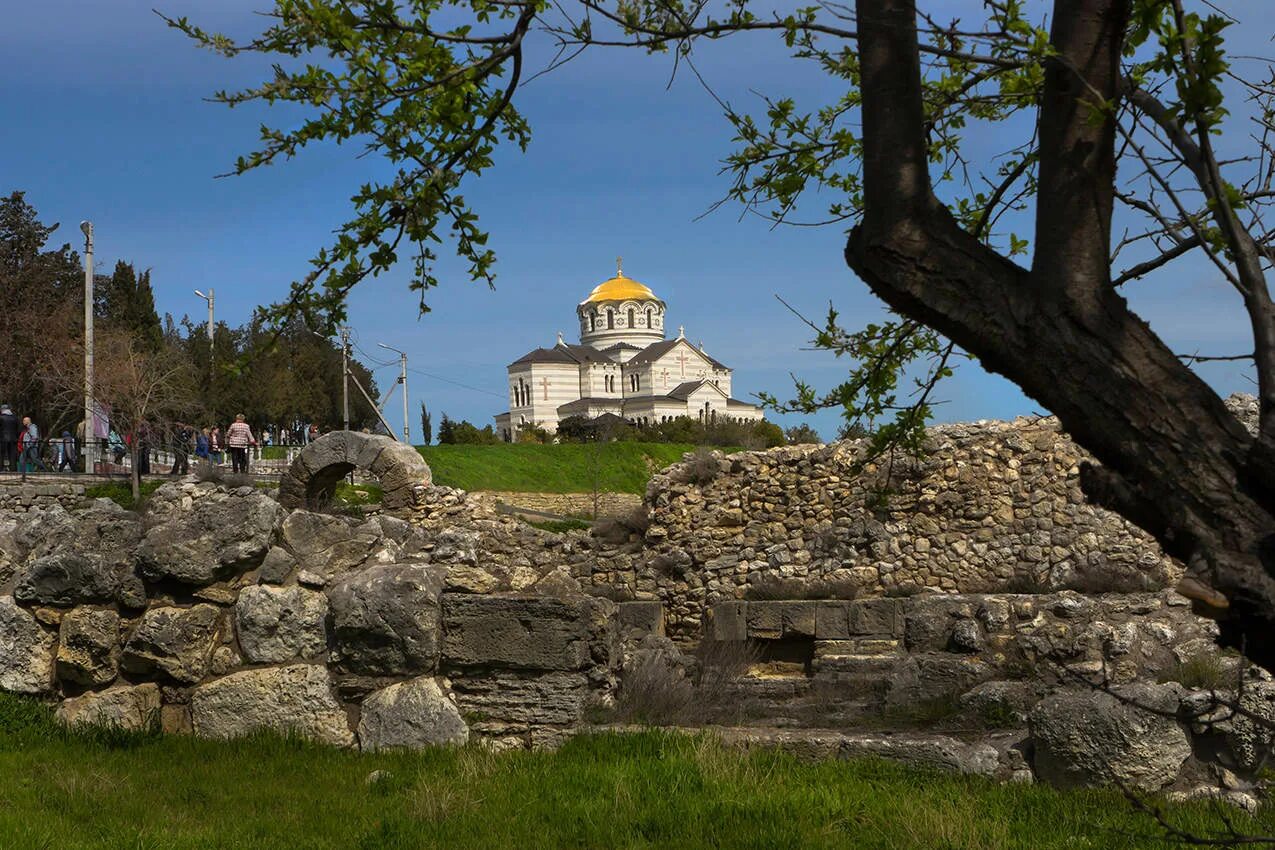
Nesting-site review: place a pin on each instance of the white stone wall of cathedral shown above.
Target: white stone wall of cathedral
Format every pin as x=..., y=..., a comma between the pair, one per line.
x=594, y=383
x=641, y=333
x=553, y=385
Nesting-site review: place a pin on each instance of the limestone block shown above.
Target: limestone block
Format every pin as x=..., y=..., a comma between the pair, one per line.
x=729, y=621
x=277, y=624
x=131, y=707
x=799, y=619
x=1089, y=738
x=297, y=698
x=832, y=620
x=765, y=620
x=67, y=578
x=277, y=566
x=410, y=715
x=89, y=647
x=529, y=633
x=26, y=651
x=552, y=699
x=876, y=617
x=642, y=617
x=174, y=641
x=385, y=620
x=213, y=540
x=329, y=546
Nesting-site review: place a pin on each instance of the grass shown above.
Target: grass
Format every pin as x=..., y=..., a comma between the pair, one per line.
x=558, y=526
x=564, y=468
x=115, y=790
x=121, y=491
x=358, y=494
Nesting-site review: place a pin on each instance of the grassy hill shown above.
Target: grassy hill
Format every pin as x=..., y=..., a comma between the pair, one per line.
x=564, y=468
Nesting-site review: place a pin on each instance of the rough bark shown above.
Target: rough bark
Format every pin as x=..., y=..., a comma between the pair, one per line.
x=1174, y=460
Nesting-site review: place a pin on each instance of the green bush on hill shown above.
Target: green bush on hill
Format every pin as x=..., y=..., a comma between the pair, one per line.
x=619, y=467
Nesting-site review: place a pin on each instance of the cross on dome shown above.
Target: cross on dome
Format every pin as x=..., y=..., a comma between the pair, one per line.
x=619, y=267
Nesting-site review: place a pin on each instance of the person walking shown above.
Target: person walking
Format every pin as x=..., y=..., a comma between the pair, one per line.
x=66, y=452
x=181, y=449
x=239, y=438
x=215, y=446
x=30, y=440
x=10, y=431
x=201, y=445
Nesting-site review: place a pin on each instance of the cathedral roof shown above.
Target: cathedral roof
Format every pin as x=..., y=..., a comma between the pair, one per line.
x=683, y=390
x=656, y=350
x=562, y=353
x=620, y=288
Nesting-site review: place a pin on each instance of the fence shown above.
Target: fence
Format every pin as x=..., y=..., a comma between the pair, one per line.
x=51, y=456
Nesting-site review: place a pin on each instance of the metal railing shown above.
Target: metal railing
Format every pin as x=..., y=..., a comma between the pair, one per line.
x=54, y=456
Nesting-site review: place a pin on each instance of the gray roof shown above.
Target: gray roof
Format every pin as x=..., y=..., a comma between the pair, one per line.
x=656, y=350
x=562, y=353
x=683, y=390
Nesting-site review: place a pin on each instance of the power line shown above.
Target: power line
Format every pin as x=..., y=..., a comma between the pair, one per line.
x=456, y=383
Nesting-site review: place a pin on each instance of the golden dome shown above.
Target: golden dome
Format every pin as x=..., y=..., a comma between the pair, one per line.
x=620, y=288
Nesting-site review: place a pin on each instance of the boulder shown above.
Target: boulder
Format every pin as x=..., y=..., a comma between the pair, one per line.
x=26, y=651
x=294, y=699
x=330, y=546
x=527, y=632
x=85, y=557
x=280, y=623
x=218, y=537
x=411, y=715
x=173, y=641
x=1092, y=738
x=134, y=708
x=89, y=647
x=277, y=565
x=385, y=620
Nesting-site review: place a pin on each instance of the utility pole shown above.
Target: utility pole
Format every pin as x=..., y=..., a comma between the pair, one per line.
x=402, y=379
x=345, y=376
x=90, y=455
x=209, y=298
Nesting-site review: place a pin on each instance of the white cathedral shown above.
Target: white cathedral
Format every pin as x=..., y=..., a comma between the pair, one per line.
x=623, y=366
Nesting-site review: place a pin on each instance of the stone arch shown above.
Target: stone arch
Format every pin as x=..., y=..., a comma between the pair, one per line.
x=313, y=476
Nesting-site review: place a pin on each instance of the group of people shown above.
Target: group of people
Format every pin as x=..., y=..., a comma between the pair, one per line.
x=20, y=448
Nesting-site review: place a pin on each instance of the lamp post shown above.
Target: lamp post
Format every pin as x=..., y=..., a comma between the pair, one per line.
x=89, y=450
x=209, y=299
x=402, y=379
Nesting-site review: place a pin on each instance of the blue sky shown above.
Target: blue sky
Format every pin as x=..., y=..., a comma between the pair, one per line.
x=105, y=119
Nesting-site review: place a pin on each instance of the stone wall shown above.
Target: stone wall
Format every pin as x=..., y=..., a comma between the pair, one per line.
x=18, y=496
x=217, y=612
x=992, y=507
x=570, y=504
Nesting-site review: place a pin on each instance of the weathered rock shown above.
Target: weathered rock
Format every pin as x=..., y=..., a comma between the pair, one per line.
x=385, y=620
x=280, y=623
x=221, y=537
x=523, y=699
x=134, y=708
x=296, y=699
x=84, y=557
x=89, y=647
x=919, y=749
x=26, y=651
x=277, y=566
x=525, y=632
x=1091, y=738
x=174, y=641
x=411, y=715
x=330, y=546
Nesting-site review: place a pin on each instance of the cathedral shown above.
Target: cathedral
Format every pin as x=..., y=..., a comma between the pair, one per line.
x=624, y=366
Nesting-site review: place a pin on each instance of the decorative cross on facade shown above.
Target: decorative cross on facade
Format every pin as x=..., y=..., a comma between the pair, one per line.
x=544, y=382
x=664, y=378
x=681, y=358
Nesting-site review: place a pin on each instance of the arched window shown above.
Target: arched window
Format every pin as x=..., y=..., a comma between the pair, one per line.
x=610, y=319
x=632, y=321
x=648, y=318
x=593, y=318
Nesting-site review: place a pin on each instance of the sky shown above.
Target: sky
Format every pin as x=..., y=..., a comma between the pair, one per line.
x=106, y=118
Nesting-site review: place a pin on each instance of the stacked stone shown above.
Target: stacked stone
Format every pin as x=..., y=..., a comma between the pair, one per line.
x=218, y=612
x=18, y=496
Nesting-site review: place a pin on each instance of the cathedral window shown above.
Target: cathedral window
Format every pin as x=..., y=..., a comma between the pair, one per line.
x=632, y=320
x=610, y=319
x=648, y=319
x=593, y=317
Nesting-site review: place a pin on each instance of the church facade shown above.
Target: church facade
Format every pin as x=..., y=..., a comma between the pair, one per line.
x=624, y=365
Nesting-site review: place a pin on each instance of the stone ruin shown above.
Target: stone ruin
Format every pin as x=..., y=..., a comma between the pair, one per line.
x=953, y=611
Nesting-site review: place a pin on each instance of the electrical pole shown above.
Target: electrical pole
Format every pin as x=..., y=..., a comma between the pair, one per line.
x=88, y=447
x=402, y=379
x=345, y=376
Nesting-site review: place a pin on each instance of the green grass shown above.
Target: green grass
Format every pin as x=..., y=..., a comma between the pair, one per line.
x=559, y=525
x=121, y=491
x=564, y=468
x=113, y=790
x=358, y=494
x=274, y=452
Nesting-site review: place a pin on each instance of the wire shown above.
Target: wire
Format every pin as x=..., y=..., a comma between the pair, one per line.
x=456, y=383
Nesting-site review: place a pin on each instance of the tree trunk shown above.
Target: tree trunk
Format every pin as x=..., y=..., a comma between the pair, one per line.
x=1174, y=460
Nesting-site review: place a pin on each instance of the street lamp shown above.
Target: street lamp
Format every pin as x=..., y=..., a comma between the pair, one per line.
x=209, y=299
x=402, y=379
x=86, y=227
